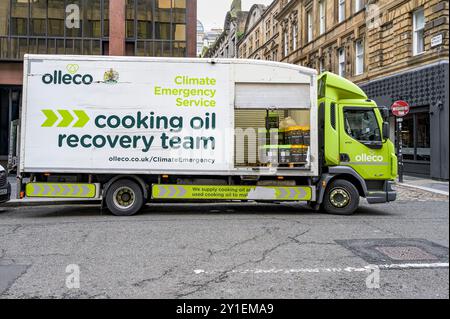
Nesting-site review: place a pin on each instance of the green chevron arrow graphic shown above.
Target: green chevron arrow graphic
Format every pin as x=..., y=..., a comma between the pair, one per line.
x=67, y=118
x=51, y=118
x=83, y=118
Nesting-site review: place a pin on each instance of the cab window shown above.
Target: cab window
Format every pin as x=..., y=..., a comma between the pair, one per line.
x=362, y=125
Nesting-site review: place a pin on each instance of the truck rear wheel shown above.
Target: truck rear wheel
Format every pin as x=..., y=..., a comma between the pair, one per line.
x=124, y=198
x=341, y=198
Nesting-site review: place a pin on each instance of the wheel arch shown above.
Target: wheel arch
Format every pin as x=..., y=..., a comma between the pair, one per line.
x=345, y=173
x=352, y=179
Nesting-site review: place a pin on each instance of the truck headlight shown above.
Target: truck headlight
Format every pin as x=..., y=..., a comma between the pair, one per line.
x=392, y=186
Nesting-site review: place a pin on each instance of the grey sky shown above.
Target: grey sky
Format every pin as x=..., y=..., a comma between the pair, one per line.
x=212, y=12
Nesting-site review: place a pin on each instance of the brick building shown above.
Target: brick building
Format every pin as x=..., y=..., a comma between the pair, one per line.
x=392, y=49
x=91, y=27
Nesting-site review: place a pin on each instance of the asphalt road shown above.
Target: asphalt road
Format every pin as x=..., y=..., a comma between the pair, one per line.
x=226, y=251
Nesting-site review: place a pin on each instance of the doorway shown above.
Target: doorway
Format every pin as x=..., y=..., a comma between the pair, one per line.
x=417, y=142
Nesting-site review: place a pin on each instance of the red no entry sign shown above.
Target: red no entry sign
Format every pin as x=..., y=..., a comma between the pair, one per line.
x=400, y=108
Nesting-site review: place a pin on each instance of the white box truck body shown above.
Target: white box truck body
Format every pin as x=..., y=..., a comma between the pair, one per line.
x=152, y=115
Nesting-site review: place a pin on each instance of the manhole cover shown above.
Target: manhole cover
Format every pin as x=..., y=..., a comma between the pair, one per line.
x=394, y=250
x=9, y=274
x=406, y=253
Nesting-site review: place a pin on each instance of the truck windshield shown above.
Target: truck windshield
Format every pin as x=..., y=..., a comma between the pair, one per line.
x=362, y=125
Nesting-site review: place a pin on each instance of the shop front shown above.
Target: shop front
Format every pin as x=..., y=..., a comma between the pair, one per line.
x=425, y=133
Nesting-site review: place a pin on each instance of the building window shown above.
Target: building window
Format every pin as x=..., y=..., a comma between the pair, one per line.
x=156, y=28
x=55, y=18
x=341, y=56
x=416, y=135
x=38, y=15
x=38, y=26
x=256, y=39
x=294, y=37
x=322, y=16
x=359, y=57
x=274, y=27
x=268, y=28
x=4, y=21
x=359, y=4
x=286, y=44
x=309, y=26
x=418, y=31
x=341, y=10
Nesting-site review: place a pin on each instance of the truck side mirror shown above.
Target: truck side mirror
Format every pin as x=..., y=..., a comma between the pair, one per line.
x=386, y=130
x=384, y=113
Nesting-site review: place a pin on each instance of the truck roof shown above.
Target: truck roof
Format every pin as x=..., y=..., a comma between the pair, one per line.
x=341, y=88
x=302, y=69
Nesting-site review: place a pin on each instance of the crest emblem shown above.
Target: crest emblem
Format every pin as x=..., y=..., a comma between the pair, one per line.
x=111, y=77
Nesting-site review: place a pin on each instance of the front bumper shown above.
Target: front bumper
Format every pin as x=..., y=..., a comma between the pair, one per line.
x=389, y=194
x=5, y=193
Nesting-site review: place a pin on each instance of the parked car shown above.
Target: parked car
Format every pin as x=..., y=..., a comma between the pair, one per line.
x=5, y=187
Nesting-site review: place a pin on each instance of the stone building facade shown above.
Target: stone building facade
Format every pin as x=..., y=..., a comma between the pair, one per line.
x=393, y=49
x=226, y=44
x=260, y=40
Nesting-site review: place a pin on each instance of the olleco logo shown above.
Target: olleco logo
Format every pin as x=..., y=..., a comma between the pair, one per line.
x=369, y=158
x=71, y=77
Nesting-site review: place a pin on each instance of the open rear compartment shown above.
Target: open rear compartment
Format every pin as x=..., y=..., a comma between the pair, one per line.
x=275, y=126
x=272, y=138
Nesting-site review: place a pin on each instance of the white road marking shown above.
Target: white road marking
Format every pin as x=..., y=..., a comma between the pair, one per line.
x=367, y=268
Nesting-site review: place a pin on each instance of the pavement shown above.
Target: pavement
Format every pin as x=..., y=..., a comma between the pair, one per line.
x=439, y=187
x=228, y=250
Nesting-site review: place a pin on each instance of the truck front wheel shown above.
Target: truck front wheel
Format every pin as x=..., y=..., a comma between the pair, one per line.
x=341, y=198
x=124, y=198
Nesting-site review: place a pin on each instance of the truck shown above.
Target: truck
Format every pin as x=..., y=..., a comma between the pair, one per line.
x=127, y=131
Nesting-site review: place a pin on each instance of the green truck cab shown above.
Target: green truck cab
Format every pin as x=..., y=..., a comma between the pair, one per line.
x=356, y=152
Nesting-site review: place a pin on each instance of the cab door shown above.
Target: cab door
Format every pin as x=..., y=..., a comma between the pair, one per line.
x=361, y=142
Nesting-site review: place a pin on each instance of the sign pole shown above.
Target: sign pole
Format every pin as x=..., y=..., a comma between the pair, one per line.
x=399, y=110
x=400, y=148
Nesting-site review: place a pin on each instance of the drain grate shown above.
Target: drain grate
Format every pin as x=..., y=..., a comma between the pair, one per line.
x=394, y=250
x=406, y=253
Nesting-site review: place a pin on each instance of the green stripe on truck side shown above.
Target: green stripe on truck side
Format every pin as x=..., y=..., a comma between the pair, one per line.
x=61, y=190
x=213, y=192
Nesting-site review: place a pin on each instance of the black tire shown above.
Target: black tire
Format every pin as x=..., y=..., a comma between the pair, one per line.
x=124, y=198
x=341, y=198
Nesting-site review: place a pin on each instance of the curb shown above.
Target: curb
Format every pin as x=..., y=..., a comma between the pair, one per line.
x=427, y=189
x=31, y=203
